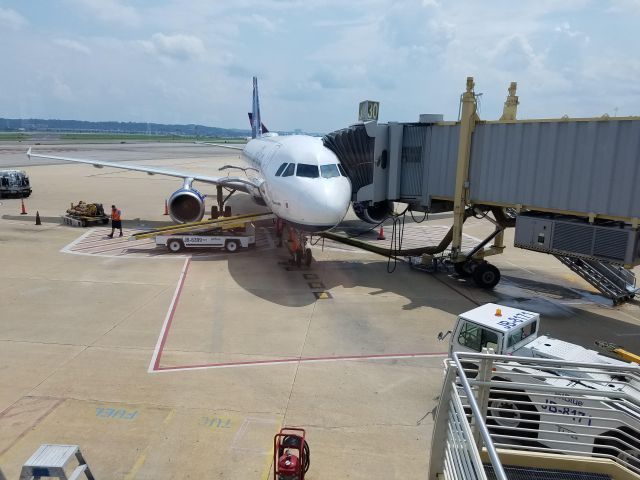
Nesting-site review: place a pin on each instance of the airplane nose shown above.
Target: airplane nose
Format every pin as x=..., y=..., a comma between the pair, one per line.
x=326, y=206
x=337, y=201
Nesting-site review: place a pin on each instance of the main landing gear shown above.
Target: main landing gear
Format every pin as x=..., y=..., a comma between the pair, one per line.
x=221, y=209
x=297, y=244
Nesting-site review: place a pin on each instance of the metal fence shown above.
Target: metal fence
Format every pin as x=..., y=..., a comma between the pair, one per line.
x=495, y=402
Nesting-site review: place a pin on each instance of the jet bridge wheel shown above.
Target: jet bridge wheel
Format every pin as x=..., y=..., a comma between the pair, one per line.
x=486, y=276
x=463, y=269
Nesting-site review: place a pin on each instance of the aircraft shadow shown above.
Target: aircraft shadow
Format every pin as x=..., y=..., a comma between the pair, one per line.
x=445, y=292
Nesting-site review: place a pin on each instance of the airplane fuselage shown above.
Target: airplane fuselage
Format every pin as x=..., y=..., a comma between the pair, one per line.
x=303, y=181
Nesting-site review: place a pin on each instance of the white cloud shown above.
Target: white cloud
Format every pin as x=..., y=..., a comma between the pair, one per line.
x=11, y=19
x=311, y=56
x=175, y=47
x=72, y=45
x=61, y=90
x=625, y=6
x=514, y=54
x=110, y=11
x=262, y=22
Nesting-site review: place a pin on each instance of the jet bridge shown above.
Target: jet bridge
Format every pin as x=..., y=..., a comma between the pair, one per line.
x=568, y=186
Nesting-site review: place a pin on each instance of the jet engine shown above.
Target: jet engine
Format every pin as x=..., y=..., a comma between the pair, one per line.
x=373, y=213
x=186, y=205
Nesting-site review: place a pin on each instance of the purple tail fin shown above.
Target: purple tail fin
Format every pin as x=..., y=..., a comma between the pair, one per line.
x=263, y=129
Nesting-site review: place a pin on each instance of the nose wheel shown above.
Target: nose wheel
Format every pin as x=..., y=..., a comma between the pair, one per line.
x=298, y=244
x=303, y=257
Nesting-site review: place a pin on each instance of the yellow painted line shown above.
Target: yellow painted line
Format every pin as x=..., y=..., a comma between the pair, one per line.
x=138, y=465
x=266, y=471
x=169, y=417
x=143, y=456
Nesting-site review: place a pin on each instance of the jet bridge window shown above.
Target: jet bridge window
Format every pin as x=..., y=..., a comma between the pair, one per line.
x=329, y=171
x=289, y=170
x=281, y=169
x=306, y=170
x=476, y=338
x=520, y=334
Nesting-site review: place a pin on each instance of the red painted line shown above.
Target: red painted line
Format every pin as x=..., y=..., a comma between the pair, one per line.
x=169, y=320
x=156, y=365
x=303, y=359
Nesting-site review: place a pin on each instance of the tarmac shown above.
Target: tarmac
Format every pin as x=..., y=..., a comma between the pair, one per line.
x=185, y=366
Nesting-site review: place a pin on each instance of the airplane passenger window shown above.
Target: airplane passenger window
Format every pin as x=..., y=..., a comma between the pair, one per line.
x=289, y=170
x=344, y=174
x=308, y=171
x=281, y=169
x=329, y=171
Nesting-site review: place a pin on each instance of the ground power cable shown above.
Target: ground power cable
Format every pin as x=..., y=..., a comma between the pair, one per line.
x=397, y=236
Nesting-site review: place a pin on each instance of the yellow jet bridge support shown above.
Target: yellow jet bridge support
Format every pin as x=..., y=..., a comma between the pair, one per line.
x=618, y=350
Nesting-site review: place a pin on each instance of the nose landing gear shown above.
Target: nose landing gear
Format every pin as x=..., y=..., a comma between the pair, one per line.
x=298, y=245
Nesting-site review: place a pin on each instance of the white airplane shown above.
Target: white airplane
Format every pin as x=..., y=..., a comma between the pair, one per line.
x=298, y=178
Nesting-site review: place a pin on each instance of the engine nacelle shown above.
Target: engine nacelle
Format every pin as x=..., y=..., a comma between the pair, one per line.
x=186, y=205
x=375, y=213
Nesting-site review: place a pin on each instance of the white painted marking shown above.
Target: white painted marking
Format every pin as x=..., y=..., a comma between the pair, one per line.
x=151, y=253
x=67, y=248
x=170, y=313
x=238, y=443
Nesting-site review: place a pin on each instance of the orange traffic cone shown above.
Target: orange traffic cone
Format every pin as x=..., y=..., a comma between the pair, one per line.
x=381, y=234
x=24, y=210
x=166, y=208
x=38, y=222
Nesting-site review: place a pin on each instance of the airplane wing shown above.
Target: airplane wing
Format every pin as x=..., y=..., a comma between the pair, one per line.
x=222, y=145
x=239, y=183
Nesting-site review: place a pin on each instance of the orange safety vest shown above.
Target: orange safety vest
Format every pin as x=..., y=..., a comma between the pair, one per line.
x=115, y=214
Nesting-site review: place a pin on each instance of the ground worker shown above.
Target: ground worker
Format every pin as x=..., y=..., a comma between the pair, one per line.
x=116, y=220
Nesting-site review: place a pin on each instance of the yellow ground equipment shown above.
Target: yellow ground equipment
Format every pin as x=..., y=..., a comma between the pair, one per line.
x=84, y=214
x=222, y=223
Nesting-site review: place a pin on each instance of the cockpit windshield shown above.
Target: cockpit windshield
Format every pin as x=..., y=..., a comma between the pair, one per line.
x=329, y=171
x=289, y=170
x=308, y=171
x=281, y=169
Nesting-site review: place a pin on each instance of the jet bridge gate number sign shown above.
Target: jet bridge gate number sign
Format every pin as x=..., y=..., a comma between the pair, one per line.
x=368, y=111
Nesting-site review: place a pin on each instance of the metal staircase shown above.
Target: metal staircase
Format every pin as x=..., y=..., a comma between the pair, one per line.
x=613, y=281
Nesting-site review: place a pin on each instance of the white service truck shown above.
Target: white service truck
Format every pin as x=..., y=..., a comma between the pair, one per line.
x=231, y=241
x=550, y=419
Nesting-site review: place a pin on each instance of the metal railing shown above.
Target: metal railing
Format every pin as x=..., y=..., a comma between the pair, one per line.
x=491, y=402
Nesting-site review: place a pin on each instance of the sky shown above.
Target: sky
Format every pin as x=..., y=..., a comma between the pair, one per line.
x=169, y=61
